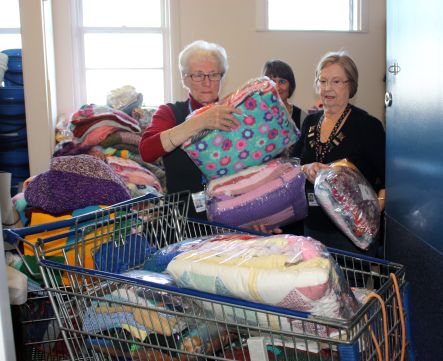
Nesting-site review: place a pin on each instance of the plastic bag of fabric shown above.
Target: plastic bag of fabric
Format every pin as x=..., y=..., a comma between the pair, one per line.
x=288, y=271
x=125, y=99
x=265, y=131
x=271, y=194
x=159, y=260
x=350, y=201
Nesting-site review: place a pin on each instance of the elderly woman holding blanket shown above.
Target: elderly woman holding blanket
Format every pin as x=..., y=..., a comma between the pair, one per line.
x=339, y=131
x=202, y=66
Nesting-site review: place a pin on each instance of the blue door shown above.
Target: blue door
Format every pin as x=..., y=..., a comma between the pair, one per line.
x=414, y=164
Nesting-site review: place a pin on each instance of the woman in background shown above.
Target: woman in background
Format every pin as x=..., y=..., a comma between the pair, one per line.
x=283, y=76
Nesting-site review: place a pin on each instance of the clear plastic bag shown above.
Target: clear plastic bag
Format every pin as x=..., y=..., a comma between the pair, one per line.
x=272, y=195
x=288, y=271
x=350, y=201
x=124, y=99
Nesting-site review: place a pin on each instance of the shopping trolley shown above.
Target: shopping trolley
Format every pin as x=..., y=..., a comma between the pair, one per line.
x=39, y=337
x=148, y=320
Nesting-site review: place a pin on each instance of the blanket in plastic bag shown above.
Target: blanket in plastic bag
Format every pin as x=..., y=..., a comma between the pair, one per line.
x=350, y=201
x=271, y=194
x=288, y=271
x=265, y=131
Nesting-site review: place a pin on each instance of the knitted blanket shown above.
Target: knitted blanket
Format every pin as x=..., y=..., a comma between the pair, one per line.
x=74, y=182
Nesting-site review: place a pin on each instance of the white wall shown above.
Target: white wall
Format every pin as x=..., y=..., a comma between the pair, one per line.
x=39, y=81
x=232, y=24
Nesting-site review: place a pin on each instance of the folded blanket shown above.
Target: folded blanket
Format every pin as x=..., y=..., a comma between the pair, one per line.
x=265, y=131
x=350, y=201
x=158, y=261
x=272, y=194
x=293, y=272
x=74, y=182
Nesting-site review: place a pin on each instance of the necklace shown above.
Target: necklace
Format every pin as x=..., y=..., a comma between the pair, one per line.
x=321, y=149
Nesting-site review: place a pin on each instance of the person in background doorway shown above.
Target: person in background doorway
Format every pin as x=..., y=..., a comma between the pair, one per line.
x=283, y=76
x=339, y=130
x=203, y=66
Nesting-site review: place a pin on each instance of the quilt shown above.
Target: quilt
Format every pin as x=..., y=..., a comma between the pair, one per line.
x=288, y=271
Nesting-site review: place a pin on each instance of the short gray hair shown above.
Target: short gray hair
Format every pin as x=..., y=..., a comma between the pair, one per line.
x=204, y=48
x=342, y=58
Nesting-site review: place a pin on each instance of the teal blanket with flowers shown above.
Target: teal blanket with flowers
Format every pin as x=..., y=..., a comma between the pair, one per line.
x=265, y=131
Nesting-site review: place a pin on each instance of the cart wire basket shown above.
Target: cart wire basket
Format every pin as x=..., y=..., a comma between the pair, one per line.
x=104, y=313
x=39, y=333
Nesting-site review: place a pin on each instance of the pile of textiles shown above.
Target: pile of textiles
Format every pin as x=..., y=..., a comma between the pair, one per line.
x=246, y=266
x=309, y=279
x=74, y=185
x=131, y=313
x=247, y=186
x=104, y=132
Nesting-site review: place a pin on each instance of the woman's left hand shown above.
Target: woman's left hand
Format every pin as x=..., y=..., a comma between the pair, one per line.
x=262, y=228
x=311, y=170
x=381, y=198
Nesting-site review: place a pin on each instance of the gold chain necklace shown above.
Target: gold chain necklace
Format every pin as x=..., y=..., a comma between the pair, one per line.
x=322, y=149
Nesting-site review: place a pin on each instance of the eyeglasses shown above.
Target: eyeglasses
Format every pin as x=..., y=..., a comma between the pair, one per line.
x=334, y=83
x=279, y=81
x=201, y=76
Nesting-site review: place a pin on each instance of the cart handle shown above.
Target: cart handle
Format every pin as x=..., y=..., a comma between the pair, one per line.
x=12, y=235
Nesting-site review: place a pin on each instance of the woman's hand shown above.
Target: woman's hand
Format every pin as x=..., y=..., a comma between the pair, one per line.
x=262, y=228
x=381, y=199
x=218, y=117
x=312, y=169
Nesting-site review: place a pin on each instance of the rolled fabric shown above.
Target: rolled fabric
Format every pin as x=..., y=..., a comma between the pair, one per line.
x=350, y=201
x=265, y=131
x=271, y=194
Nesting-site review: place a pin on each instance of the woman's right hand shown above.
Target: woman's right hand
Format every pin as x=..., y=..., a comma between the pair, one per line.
x=311, y=170
x=218, y=117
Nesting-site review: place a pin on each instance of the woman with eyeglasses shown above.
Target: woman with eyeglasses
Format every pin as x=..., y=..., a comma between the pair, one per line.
x=202, y=66
x=340, y=130
x=283, y=76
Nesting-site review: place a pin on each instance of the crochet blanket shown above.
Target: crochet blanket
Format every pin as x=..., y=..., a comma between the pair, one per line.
x=74, y=182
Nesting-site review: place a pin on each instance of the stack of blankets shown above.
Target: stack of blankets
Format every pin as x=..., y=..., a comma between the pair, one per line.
x=112, y=135
x=246, y=185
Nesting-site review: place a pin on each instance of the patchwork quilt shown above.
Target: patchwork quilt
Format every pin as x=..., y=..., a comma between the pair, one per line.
x=288, y=271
